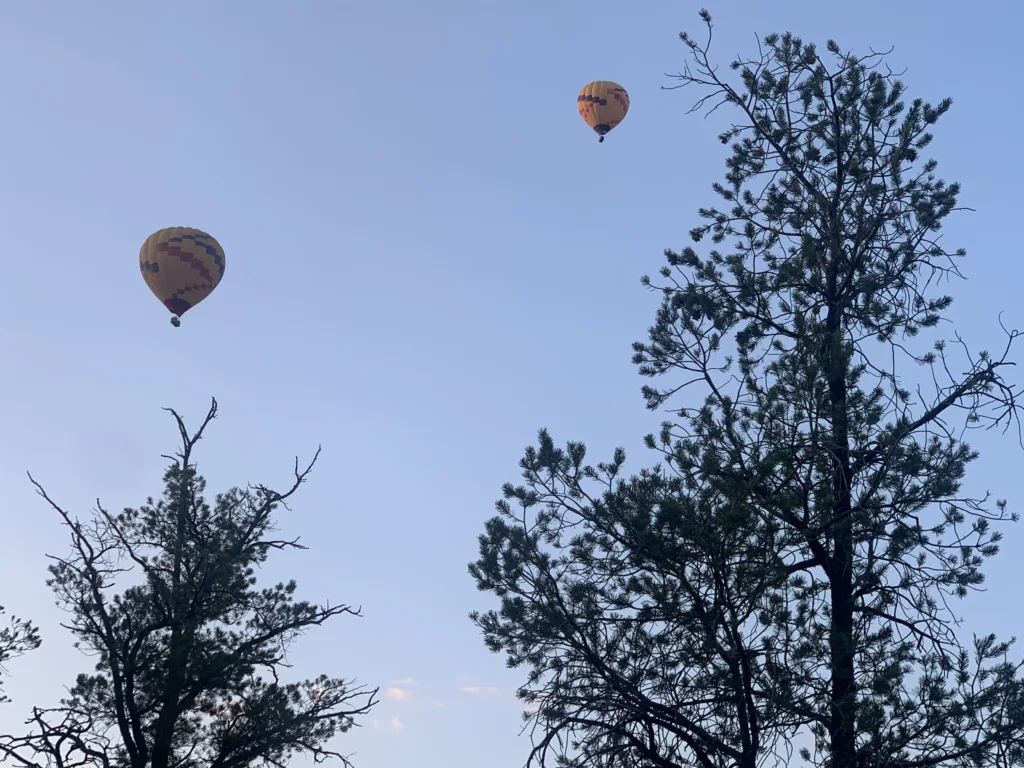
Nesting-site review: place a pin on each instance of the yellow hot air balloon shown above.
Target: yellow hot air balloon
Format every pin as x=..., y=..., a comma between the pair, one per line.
x=603, y=104
x=181, y=266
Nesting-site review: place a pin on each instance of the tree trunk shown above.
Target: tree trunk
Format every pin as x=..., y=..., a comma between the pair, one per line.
x=840, y=572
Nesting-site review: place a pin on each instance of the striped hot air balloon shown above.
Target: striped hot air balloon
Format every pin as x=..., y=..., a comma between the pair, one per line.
x=181, y=266
x=603, y=105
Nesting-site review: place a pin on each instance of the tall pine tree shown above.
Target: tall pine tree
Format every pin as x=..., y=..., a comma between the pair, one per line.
x=188, y=649
x=788, y=566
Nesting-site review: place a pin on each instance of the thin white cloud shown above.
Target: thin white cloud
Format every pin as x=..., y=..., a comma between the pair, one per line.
x=404, y=681
x=397, y=724
x=376, y=723
x=476, y=690
x=437, y=704
x=397, y=694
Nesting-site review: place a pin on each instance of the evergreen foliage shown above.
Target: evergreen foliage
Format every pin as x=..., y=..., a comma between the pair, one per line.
x=16, y=639
x=188, y=648
x=788, y=565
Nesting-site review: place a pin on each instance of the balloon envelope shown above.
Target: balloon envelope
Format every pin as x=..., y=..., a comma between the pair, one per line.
x=181, y=266
x=603, y=104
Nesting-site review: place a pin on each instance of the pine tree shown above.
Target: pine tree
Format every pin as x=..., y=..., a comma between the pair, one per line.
x=788, y=566
x=188, y=648
x=20, y=637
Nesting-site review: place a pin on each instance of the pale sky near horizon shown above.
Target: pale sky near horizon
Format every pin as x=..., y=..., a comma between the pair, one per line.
x=429, y=257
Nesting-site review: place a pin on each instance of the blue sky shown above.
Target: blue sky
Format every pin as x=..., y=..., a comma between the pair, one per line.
x=429, y=256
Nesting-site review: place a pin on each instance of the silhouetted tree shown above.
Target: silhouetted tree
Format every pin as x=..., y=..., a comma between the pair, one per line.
x=20, y=637
x=189, y=650
x=787, y=567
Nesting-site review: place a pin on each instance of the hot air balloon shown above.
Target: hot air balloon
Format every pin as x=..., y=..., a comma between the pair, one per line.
x=603, y=104
x=181, y=266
